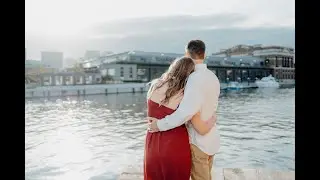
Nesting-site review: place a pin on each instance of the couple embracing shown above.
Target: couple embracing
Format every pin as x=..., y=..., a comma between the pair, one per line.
x=182, y=137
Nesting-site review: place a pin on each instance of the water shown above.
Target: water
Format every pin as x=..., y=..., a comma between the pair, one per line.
x=96, y=137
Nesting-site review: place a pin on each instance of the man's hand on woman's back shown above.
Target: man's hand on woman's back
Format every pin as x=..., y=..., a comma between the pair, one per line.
x=203, y=127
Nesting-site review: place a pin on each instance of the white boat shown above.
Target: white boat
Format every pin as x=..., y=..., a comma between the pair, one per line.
x=267, y=82
x=234, y=86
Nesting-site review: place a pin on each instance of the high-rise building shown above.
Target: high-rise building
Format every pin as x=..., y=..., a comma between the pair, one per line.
x=52, y=59
x=91, y=54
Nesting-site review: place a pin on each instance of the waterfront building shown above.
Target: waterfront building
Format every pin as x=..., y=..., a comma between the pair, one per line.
x=142, y=66
x=280, y=59
x=240, y=64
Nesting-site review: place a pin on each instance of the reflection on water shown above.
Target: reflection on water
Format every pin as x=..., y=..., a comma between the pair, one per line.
x=95, y=137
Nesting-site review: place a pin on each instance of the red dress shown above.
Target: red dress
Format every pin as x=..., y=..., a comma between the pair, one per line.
x=167, y=154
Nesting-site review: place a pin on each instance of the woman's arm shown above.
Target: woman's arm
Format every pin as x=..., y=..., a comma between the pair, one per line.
x=203, y=127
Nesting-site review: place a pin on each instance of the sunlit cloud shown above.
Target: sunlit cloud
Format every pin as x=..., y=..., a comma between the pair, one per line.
x=73, y=26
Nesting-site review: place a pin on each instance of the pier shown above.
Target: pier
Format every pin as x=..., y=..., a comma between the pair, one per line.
x=82, y=90
x=93, y=89
x=136, y=173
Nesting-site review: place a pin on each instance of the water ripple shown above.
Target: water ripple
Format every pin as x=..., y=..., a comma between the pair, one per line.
x=95, y=137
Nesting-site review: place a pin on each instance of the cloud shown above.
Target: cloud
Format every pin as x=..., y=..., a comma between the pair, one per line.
x=152, y=25
x=167, y=34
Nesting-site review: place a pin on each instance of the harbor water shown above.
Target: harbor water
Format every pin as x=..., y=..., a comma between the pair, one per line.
x=97, y=136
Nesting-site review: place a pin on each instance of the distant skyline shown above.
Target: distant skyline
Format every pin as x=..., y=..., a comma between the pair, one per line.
x=74, y=26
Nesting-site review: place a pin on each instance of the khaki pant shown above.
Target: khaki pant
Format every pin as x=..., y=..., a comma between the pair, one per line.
x=201, y=164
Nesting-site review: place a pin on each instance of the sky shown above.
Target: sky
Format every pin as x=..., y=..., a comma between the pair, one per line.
x=73, y=26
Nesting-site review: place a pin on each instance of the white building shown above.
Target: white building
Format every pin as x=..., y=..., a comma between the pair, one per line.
x=120, y=72
x=52, y=59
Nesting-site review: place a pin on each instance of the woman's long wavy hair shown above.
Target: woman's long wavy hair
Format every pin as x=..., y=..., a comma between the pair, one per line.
x=176, y=78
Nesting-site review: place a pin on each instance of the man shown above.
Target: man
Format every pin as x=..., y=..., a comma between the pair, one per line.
x=201, y=94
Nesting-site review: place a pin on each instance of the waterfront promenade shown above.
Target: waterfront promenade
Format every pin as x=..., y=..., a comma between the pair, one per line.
x=136, y=173
x=82, y=90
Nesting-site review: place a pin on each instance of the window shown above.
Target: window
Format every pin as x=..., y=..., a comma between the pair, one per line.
x=130, y=71
x=121, y=71
x=104, y=72
x=111, y=72
x=222, y=75
x=252, y=75
x=244, y=75
x=230, y=75
x=238, y=74
x=141, y=72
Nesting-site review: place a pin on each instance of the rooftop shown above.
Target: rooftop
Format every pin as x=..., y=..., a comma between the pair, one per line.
x=142, y=57
x=257, y=49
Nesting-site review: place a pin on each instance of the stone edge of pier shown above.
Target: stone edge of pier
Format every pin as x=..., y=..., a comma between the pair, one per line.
x=136, y=173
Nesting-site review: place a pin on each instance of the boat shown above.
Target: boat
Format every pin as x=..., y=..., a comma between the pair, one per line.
x=267, y=82
x=234, y=86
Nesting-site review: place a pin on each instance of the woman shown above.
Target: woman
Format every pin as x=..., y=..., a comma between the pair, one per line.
x=167, y=154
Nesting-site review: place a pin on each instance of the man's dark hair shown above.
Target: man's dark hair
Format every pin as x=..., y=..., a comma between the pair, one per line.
x=196, y=48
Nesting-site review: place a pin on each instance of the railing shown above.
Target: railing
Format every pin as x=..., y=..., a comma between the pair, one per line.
x=273, y=52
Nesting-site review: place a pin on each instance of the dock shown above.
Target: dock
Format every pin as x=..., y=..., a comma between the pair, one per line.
x=32, y=90
x=83, y=90
x=136, y=173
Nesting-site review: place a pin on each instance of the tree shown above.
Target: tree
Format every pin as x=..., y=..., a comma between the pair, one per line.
x=107, y=78
x=77, y=67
